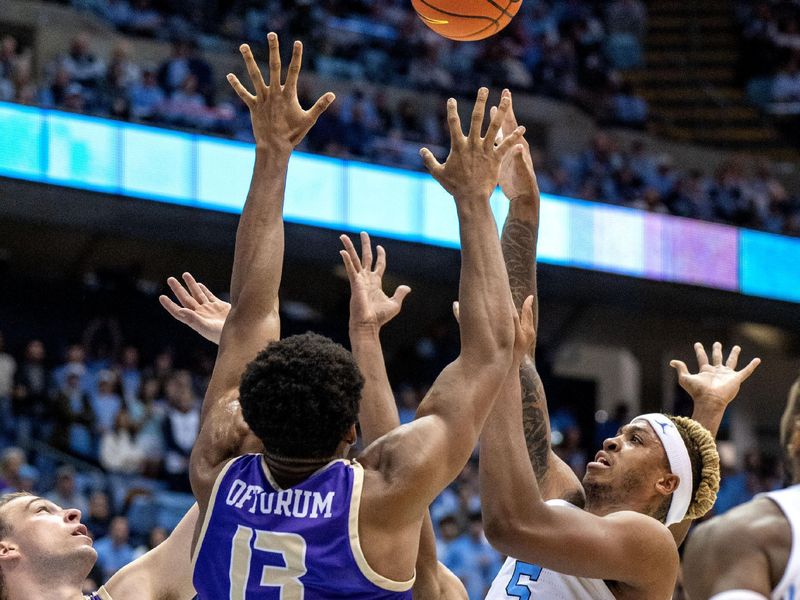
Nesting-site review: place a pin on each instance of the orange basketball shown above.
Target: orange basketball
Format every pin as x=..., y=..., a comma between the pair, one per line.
x=466, y=20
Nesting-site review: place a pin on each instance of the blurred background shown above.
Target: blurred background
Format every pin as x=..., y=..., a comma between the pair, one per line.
x=665, y=141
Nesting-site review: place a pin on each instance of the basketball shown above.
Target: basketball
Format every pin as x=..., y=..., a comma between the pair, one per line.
x=466, y=20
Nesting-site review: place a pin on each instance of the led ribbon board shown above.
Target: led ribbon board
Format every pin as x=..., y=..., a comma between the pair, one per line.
x=199, y=171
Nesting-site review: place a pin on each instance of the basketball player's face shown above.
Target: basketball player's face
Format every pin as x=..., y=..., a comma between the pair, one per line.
x=629, y=461
x=46, y=535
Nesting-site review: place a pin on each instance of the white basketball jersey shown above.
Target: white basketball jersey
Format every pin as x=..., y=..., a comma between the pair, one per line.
x=523, y=581
x=788, y=501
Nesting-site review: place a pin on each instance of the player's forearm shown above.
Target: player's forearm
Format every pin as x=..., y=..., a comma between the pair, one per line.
x=486, y=308
x=258, y=258
x=378, y=411
x=508, y=487
x=519, y=239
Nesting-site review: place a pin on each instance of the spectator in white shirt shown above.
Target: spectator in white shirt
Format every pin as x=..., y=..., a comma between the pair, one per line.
x=120, y=449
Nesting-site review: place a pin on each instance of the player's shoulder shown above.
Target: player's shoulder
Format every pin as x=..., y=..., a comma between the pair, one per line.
x=750, y=527
x=647, y=532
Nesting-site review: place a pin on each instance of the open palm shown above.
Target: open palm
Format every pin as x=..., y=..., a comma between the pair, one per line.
x=199, y=308
x=369, y=304
x=714, y=381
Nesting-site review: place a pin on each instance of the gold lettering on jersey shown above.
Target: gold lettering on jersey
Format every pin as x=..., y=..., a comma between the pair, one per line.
x=300, y=504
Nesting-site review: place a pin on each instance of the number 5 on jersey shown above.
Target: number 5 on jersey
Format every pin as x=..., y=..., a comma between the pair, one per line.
x=290, y=546
x=524, y=576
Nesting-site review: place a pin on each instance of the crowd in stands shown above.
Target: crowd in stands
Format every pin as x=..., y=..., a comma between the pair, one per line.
x=769, y=63
x=105, y=426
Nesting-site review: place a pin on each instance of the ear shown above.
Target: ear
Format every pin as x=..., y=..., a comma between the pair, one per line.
x=667, y=484
x=350, y=436
x=8, y=551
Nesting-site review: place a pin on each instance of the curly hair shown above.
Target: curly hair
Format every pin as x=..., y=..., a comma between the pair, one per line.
x=705, y=465
x=301, y=395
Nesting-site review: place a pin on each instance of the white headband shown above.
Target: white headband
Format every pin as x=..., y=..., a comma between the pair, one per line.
x=679, y=463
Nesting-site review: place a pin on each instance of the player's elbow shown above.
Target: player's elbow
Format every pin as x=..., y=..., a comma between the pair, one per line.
x=501, y=528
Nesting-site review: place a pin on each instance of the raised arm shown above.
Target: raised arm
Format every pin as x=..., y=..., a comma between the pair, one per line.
x=519, y=241
x=163, y=572
x=626, y=547
x=712, y=389
x=279, y=124
x=370, y=310
x=418, y=460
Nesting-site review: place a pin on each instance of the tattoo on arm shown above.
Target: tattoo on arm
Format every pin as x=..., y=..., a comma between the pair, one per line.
x=535, y=420
x=519, y=250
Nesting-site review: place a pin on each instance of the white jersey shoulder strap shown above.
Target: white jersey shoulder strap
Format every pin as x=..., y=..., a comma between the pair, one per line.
x=788, y=500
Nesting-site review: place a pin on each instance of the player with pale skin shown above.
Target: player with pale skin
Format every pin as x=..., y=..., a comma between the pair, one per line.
x=610, y=541
x=47, y=554
x=451, y=416
x=748, y=553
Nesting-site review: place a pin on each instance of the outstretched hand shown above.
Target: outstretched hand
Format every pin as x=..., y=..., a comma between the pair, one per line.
x=369, y=305
x=278, y=119
x=714, y=382
x=472, y=168
x=517, y=177
x=199, y=308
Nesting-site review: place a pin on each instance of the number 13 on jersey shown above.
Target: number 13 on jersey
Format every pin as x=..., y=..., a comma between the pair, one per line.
x=290, y=546
x=525, y=575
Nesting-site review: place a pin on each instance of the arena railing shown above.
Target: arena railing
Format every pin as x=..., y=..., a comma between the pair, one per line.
x=204, y=172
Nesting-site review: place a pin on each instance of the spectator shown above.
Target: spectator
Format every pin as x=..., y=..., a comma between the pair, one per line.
x=181, y=426
x=114, y=551
x=129, y=375
x=146, y=97
x=73, y=415
x=74, y=364
x=65, y=493
x=472, y=559
x=98, y=519
x=105, y=402
x=121, y=451
x=9, y=56
x=8, y=369
x=11, y=461
x=174, y=71
x=786, y=87
x=29, y=398
x=156, y=537
x=80, y=64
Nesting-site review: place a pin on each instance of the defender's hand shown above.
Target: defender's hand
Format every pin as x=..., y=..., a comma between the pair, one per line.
x=279, y=122
x=369, y=305
x=715, y=382
x=199, y=308
x=517, y=176
x=472, y=168
x=525, y=330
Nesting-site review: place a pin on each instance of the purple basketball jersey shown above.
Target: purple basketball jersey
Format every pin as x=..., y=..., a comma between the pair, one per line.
x=262, y=542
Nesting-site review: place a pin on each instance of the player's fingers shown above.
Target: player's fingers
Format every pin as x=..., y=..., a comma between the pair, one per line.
x=680, y=367
x=181, y=294
x=733, y=357
x=478, y=113
x=351, y=251
x=366, y=251
x=512, y=140
x=208, y=293
x=294, y=67
x=380, y=262
x=240, y=90
x=700, y=353
x=527, y=314
x=274, y=61
x=194, y=289
x=252, y=69
x=457, y=312
x=716, y=354
x=454, y=122
x=433, y=166
x=401, y=293
x=320, y=106
x=173, y=309
x=748, y=370
x=497, y=121
x=348, y=265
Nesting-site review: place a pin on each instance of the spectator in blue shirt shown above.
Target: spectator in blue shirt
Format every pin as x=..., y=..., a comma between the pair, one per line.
x=114, y=551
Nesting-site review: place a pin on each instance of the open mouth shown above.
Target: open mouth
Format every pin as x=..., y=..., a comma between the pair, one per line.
x=600, y=461
x=81, y=530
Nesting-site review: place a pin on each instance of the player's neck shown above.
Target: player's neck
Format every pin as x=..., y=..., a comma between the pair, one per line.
x=42, y=588
x=601, y=503
x=289, y=472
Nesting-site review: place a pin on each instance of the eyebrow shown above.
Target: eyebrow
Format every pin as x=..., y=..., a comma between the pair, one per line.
x=635, y=429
